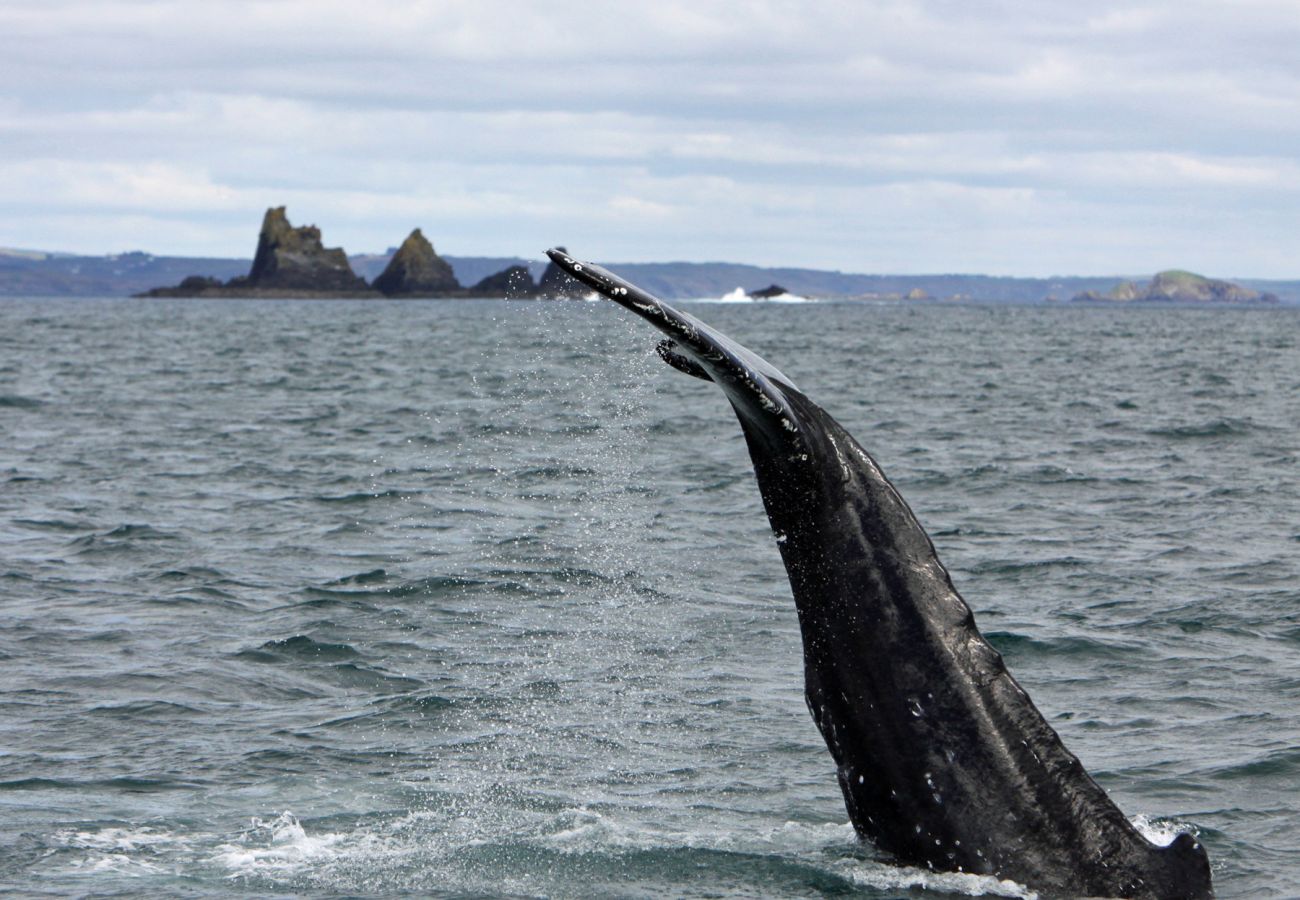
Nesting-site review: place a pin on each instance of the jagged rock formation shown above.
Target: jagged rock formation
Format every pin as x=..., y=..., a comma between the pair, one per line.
x=556, y=283
x=1177, y=286
x=416, y=270
x=514, y=282
x=291, y=258
x=290, y=262
x=767, y=293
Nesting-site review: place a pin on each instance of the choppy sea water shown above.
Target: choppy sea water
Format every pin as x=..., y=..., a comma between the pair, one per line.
x=478, y=599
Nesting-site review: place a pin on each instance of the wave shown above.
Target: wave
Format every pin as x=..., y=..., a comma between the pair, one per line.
x=299, y=647
x=740, y=296
x=367, y=496
x=1013, y=644
x=119, y=539
x=150, y=710
x=1015, y=567
x=372, y=576
x=1225, y=427
x=14, y=401
x=58, y=525
x=126, y=784
x=1283, y=762
x=337, y=664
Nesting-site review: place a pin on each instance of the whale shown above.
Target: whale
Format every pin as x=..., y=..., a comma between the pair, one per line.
x=943, y=760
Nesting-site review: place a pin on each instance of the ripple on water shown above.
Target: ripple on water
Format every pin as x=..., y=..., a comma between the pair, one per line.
x=299, y=646
x=15, y=401
x=1219, y=427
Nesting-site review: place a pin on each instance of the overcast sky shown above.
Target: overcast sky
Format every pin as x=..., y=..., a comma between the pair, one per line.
x=1029, y=138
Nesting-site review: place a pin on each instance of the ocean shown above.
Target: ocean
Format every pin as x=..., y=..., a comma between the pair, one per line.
x=478, y=599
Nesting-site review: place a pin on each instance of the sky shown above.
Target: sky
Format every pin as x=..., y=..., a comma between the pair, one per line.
x=1025, y=138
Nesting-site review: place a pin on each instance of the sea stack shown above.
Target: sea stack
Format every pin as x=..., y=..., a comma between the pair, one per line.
x=291, y=258
x=417, y=271
x=290, y=263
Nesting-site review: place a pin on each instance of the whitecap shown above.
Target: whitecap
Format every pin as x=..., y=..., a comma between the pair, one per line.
x=280, y=845
x=130, y=851
x=116, y=864
x=736, y=296
x=1160, y=832
x=892, y=878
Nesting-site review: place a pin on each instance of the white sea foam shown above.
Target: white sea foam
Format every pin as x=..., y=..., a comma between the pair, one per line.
x=1160, y=832
x=588, y=831
x=739, y=296
x=736, y=296
x=119, y=839
x=280, y=845
x=116, y=864
x=422, y=845
x=890, y=878
x=129, y=851
x=584, y=830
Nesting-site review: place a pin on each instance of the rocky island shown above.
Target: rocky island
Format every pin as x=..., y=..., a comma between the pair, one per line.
x=769, y=292
x=294, y=263
x=290, y=262
x=1177, y=286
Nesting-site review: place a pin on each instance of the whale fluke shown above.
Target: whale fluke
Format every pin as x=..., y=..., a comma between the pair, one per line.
x=943, y=759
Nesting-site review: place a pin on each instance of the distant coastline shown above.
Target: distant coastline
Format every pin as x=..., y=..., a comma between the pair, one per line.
x=39, y=273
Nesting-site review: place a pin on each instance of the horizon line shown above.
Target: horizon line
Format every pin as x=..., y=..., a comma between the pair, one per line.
x=42, y=254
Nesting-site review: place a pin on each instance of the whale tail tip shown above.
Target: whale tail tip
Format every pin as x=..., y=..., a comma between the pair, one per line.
x=1187, y=868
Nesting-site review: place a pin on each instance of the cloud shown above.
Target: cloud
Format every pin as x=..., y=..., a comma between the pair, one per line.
x=917, y=135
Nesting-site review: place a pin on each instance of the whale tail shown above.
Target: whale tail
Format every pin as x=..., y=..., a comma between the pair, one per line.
x=667, y=350
x=758, y=390
x=885, y=631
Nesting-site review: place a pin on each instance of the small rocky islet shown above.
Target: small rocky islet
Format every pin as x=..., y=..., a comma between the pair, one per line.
x=293, y=262
x=1177, y=286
